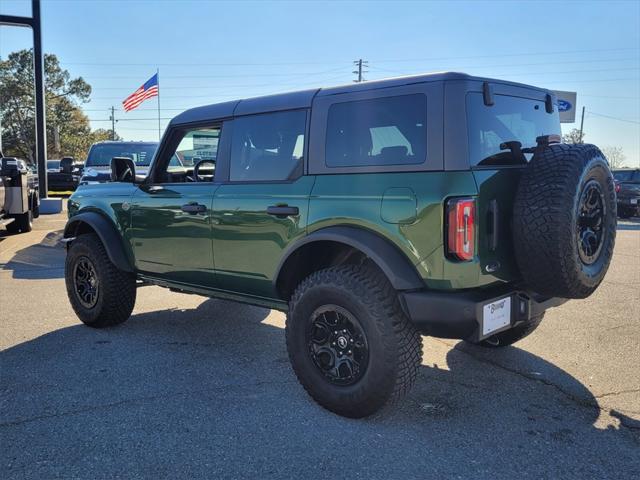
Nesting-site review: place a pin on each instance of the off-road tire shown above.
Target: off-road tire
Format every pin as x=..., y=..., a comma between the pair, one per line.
x=22, y=222
x=545, y=220
x=395, y=347
x=116, y=295
x=511, y=336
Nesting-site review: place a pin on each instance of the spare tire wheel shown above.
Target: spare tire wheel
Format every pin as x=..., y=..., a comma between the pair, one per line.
x=564, y=220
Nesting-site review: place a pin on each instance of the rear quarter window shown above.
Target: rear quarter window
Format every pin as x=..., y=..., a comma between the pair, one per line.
x=377, y=132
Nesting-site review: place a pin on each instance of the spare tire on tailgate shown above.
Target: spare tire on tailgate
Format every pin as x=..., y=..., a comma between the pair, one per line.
x=564, y=220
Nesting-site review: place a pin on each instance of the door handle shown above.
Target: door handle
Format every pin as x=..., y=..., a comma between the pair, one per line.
x=282, y=211
x=193, y=208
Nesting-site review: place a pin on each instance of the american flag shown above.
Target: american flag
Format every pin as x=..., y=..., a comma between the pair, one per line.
x=148, y=90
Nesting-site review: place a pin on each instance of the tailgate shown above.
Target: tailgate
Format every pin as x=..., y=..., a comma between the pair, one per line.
x=496, y=193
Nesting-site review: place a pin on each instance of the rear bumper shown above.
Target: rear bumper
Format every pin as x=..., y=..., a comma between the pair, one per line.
x=62, y=186
x=459, y=314
x=629, y=201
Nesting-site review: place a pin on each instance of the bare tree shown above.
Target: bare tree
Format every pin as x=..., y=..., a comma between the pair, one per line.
x=615, y=155
x=574, y=136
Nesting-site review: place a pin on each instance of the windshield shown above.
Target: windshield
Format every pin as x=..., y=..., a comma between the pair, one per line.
x=509, y=119
x=53, y=164
x=101, y=154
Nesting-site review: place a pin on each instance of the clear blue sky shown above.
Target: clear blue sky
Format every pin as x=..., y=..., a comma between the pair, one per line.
x=215, y=51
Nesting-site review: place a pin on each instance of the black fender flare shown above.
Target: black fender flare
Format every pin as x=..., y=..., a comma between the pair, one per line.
x=400, y=272
x=108, y=234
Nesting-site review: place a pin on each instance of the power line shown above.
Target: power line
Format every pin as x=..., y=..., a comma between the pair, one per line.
x=360, y=72
x=236, y=75
x=511, y=65
x=547, y=53
x=609, y=97
x=245, y=85
x=128, y=119
x=394, y=60
x=613, y=118
x=233, y=95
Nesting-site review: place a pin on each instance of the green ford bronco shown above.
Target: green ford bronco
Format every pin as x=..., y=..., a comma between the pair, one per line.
x=372, y=214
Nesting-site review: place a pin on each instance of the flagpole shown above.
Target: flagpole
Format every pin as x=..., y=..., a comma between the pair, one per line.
x=158, y=78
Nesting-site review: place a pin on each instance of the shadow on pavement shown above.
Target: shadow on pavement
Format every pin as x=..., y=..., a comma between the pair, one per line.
x=209, y=393
x=39, y=261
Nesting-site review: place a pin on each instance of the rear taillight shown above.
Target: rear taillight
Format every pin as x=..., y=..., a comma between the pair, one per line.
x=617, y=187
x=461, y=213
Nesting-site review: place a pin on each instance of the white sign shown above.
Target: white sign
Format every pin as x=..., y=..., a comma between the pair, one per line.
x=566, y=106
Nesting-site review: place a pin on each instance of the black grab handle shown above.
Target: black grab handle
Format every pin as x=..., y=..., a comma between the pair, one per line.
x=282, y=211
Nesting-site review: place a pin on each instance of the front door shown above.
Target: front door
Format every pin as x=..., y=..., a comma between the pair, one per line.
x=263, y=205
x=171, y=216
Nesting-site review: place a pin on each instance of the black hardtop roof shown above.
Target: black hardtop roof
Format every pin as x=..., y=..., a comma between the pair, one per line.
x=304, y=98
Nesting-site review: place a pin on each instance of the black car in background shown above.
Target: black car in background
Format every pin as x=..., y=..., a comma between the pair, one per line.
x=63, y=175
x=628, y=191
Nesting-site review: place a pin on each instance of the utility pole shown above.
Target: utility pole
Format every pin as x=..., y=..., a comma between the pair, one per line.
x=581, y=124
x=113, y=123
x=360, y=64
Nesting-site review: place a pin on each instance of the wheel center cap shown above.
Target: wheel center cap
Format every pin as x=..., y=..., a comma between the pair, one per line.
x=342, y=342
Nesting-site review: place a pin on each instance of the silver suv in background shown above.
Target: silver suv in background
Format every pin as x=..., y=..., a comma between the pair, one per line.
x=19, y=201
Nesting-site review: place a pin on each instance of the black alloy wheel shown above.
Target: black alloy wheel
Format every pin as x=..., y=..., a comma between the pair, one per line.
x=337, y=345
x=591, y=214
x=85, y=282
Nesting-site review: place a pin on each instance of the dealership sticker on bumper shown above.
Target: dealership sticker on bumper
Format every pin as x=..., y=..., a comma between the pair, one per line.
x=496, y=315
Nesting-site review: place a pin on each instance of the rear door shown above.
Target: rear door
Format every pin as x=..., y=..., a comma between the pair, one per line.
x=515, y=115
x=170, y=229
x=262, y=205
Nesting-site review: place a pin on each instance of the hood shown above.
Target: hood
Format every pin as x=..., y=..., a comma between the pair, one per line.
x=102, y=173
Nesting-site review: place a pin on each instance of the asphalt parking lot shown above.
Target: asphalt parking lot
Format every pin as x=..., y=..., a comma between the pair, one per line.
x=192, y=387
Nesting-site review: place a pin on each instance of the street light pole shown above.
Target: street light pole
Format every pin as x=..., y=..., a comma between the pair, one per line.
x=41, y=126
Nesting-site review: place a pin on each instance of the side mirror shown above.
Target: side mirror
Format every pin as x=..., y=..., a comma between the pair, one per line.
x=123, y=169
x=66, y=164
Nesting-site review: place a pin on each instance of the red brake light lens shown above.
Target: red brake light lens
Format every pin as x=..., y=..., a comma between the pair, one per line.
x=461, y=213
x=617, y=187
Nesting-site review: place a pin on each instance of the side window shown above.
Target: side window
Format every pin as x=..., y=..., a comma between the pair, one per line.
x=267, y=147
x=378, y=132
x=197, y=145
